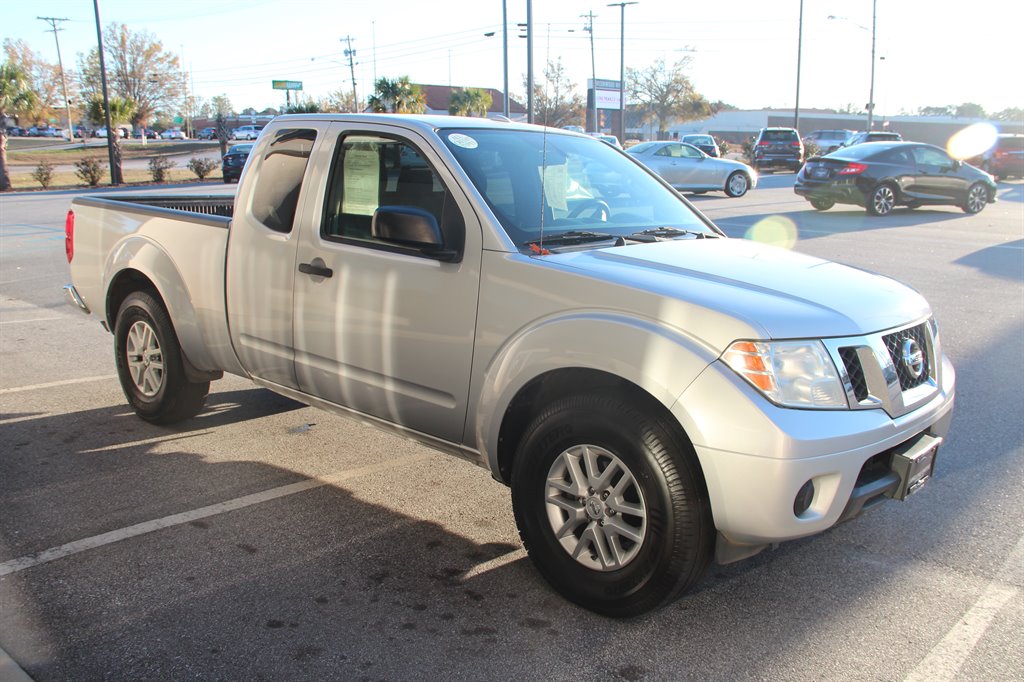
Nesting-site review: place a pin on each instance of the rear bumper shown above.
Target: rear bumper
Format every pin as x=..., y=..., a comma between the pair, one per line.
x=75, y=299
x=840, y=193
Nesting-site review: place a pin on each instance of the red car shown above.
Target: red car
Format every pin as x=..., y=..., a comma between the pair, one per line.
x=1006, y=157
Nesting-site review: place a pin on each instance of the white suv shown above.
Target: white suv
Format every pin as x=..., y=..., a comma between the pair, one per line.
x=246, y=132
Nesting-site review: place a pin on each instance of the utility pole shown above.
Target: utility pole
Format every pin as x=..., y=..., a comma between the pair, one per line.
x=871, y=92
x=504, y=47
x=589, y=28
x=351, y=54
x=52, y=21
x=529, y=61
x=622, y=65
x=799, y=49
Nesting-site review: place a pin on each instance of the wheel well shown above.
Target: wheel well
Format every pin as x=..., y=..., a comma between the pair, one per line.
x=551, y=386
x=125, y=283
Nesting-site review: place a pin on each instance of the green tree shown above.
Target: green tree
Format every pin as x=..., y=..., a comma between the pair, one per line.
x=555, y=100
x=44, y=78
x=470, y=102
x=138, y=69
x=1010, y=114
x=935, y=111
x=338, y=101
x=122, y=112
x=665, y=94
x=306, y=106
x=397, y=96
x=969, y=110
x=16, y=99
x=220, y=104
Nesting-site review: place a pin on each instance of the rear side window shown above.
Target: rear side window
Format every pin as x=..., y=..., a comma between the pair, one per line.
x=279, y=181
x=1011, y=144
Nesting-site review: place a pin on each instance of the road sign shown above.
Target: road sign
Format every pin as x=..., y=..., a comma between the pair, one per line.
x=287, y=85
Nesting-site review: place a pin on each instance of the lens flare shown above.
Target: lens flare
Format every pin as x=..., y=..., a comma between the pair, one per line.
x=972, y=141
x=776, y=230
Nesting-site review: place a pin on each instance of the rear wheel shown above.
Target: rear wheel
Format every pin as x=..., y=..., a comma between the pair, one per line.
x=977, y=197
x=881, y=201
x=611, y=504
x=737, y=184
x=150, y=365
x=822, y=204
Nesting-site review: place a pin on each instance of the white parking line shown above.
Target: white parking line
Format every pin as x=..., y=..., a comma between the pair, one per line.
x=944, y=661
x=52, y=384
x=38, y=319
x=54, y=553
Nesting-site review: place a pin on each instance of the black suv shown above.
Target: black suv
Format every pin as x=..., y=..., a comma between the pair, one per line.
x=778, y=148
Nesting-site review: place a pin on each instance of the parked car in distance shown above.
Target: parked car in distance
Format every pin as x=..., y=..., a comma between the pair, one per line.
x=828, y=140
x=102, y=132
x=607, y=139
x=778, y=148
x=883, y=175
x=873, y=136
x=689, y=169
x=148, y=133
x=1005, y=158
x=16, y=131
x=175, y=134
x=246, y=132
x=207, y=134
x=234, y=161
x=705, y=143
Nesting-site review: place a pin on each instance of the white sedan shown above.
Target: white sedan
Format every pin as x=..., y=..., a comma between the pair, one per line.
x=689, y=169
x=173, y=135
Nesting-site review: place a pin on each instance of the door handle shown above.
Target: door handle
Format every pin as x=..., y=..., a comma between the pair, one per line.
x=315, y=270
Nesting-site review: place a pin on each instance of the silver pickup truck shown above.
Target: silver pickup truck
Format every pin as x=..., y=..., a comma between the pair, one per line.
x=656, y=395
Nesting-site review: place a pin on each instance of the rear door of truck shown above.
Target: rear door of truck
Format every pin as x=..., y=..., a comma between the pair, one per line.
x=380, y=327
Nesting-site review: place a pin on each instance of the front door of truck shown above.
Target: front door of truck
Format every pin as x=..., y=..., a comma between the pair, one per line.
x=381, y=327
x=261, y=252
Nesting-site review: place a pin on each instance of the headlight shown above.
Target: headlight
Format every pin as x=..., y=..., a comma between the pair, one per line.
x=789, y=373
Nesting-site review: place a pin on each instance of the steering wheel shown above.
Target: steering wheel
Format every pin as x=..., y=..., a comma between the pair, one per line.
x=596, y=206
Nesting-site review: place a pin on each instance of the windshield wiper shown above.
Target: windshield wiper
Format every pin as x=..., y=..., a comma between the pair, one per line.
x=669, y=232
x=573, y=237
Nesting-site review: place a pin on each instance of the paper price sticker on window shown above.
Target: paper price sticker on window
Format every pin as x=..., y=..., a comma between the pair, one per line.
x=464, y=141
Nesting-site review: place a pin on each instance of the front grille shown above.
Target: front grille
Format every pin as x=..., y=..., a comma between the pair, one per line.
x=856, y=373
x=894, y=344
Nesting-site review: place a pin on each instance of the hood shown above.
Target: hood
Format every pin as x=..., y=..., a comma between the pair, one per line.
x=785, y=294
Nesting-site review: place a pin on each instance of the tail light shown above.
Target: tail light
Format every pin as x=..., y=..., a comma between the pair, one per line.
x=69, y=235
x=853, y=169
x=762, y=144
x=794, y=144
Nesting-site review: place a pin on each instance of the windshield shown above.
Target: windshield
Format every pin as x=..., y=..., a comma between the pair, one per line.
x=538, y=183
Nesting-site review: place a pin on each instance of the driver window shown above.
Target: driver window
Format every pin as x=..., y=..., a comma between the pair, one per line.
x=926, y=156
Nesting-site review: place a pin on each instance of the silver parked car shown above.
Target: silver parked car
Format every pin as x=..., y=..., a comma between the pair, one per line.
x=689, y=169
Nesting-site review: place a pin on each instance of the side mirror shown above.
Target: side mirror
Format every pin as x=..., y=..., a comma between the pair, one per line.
x=411, y=227
x=957, y=163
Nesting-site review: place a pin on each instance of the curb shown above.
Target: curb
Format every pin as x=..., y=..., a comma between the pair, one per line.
x=11, y=671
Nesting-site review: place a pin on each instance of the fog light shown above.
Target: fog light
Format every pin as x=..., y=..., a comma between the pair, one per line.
x=803, y=498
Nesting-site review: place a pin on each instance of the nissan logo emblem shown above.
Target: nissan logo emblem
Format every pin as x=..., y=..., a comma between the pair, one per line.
x=913, y=358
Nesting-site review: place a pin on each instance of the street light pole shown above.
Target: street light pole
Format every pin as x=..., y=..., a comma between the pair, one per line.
x=622, y=66
x=589, y=28
x=871, y=92
x=529, y=61
x=799, y=49
x=115, y=162
x=504, y=46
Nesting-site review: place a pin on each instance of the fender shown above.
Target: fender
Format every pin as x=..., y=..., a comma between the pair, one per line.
x=147, y=257
x=659, y=359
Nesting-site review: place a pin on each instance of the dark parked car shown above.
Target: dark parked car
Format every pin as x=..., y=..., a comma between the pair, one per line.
x=705, y=143
x=778, y=148
x=207, y=134
x=234, y=161
x=16, y=131
x=1006, y=158
x=873, y=136
x=882, y=175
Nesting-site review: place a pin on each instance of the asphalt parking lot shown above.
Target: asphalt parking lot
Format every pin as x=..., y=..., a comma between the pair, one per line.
x=268, y=540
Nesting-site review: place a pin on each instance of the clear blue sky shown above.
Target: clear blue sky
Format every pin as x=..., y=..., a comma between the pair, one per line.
x=743, y=52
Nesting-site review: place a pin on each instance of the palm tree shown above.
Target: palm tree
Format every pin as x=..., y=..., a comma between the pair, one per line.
x=16, y=97
x=121, y=111
x=398, y=97
x=470, y=102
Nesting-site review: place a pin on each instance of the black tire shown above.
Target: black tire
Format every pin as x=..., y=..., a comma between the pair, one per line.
x=822, y=204
x=153, y=378
x=881, y=201
x=737, y=184
x=977, y=197
x=663, y=478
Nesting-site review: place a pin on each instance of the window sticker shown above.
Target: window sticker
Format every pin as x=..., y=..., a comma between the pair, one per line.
x=464, y=141
x=556, y=186
x=361, y=175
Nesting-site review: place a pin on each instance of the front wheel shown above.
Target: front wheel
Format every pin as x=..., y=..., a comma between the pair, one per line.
x=611, y=504
x=977, y=197
x=150, y=364
x=737, y=184
x=822, y=204
x=882, y=201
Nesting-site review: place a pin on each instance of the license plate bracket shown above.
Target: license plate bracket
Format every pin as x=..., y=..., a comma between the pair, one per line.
x=914, y=463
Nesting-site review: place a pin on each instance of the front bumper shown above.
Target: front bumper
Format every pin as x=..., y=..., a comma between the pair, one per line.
x=756, y=456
